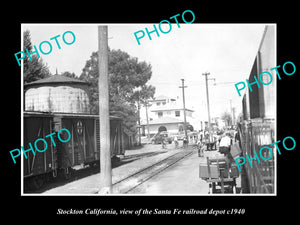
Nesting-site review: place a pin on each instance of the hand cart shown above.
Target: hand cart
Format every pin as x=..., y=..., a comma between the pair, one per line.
x=219, y=172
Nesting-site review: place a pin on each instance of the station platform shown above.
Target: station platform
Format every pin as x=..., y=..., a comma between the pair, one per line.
x=133, y=161
x=186, y=170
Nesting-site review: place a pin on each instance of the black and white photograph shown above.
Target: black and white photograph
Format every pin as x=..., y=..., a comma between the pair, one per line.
x=144, y=109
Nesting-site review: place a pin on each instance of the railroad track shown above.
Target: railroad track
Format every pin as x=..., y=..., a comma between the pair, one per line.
x=141, y=155
x=129, y=183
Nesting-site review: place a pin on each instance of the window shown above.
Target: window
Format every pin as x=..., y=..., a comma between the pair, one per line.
x=177, y=113
x=157, y=103
x=160, y=114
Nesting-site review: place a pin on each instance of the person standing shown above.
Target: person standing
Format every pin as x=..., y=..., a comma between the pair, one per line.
x=176, y=141
x=200, y=136
x=163, y=142
x=185, y=142
x=200, y=149
x=225, y=143
x=224, y=148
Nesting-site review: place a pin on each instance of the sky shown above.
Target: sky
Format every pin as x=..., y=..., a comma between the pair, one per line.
x=226, y=51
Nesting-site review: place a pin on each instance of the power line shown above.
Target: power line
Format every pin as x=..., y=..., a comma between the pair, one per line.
x=191, y=82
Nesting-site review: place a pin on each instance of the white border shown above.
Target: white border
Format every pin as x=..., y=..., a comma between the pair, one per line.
x=137, y=195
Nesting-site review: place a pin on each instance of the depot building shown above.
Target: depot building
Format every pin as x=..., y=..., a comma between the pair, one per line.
x=167, y=115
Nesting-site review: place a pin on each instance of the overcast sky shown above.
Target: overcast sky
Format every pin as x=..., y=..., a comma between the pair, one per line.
x=227, y=51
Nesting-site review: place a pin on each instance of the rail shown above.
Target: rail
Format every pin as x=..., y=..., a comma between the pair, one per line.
x=131, y=182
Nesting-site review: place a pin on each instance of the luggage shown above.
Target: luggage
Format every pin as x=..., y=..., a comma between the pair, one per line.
x=203, y=171
x=235, y=150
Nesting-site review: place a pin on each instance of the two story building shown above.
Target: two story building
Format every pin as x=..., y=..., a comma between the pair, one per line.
x=166, y=114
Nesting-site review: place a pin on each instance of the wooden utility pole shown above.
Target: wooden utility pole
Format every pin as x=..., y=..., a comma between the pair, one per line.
x=184, y=114
x=147, y=118
x=231, y=110
x=208, y=110
x=139, y=121
x=105, y=158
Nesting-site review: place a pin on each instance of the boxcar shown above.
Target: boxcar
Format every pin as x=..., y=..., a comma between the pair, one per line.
x=82, y=149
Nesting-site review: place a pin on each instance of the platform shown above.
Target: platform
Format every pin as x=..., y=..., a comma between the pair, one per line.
x=90, y=185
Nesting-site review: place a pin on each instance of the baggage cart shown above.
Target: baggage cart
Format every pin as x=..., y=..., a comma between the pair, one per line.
x=218, y=172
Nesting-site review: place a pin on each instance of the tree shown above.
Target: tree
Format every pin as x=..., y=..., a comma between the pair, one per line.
x=68, y=74
x=35, y=69
x=226, y=116
x=126, y=75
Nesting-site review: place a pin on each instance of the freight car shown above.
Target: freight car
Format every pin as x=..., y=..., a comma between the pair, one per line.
x=59, y=102
x=82, y=149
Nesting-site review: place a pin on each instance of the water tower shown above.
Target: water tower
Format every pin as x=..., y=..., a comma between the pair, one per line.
x=57, y=94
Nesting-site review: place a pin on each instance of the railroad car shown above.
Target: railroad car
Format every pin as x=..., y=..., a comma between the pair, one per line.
x=257, y=127
x=82, y=149
x=52, y=104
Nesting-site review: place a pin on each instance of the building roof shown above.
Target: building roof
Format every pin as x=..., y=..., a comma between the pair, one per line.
x=162, y=98
x=56, y=79
x=169, y=109
x=164, y=120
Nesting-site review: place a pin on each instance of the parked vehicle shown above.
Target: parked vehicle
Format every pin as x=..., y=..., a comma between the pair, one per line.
x=157, y=138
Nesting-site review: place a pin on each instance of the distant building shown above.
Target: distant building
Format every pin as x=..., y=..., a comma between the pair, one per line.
x=166, y=115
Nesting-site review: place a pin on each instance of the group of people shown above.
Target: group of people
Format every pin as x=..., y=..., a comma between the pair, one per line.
x=224, y=141
x=176, y=142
